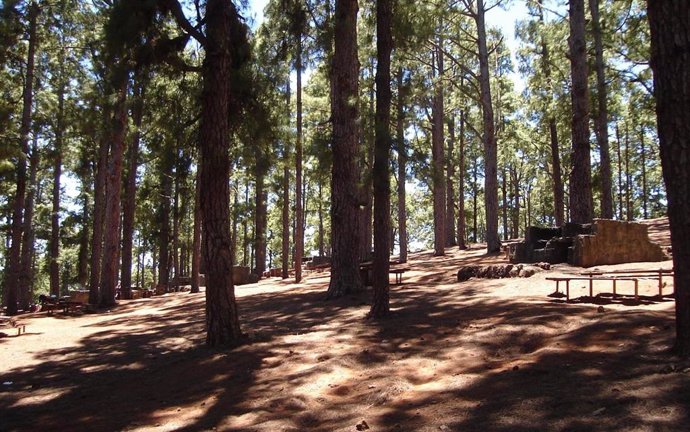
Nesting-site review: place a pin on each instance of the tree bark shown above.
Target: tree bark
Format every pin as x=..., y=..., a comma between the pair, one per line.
x=26, y=279
x=629, y=214
x=345, y=239
x=164, y=221
x=557, y=176
x=14, y=264
x=224, y=32
x=196, y=236
x=381, y=177
x=670, y=59
x=643, y=164
x=493, y=243
x=580, y=177
x=261, y=195
x=450, y=190
x=402, y=170
x=129, y=207
x=111, y=238
x=461, y=186
x=601, y=127
x=299, y=214
x=54, y=246
x=620, y=172
x=437, y=154
x=99, y=213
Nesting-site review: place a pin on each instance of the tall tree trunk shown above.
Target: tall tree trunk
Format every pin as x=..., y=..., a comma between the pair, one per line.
x=129, y=207
x=54, y=246
x=580, y=177
x=557, y=176
x=175, y=257
x=504, y=189
x=223, y=33
x=402, y=170
x=196, y=236
x=245, y=231
x=345, y=276
x=26, y=279
x=83, y=256
x=299, y=213
x=620, y=172
x=286, y=218
x=111, y=238
x=99, y=213
x=164, y=228
x=628, y=178
x=556, y=173
x=475, y=194
x=461, y=185
x=670, y=60
x=261, y=195
x=381, y=175
x=14, y=265
x=493, y=243
x=322, y=248
x=516, y=202
x=368, y=137
x=437, y=154
x=601, y=121
x=643, y=163
x=450, y=190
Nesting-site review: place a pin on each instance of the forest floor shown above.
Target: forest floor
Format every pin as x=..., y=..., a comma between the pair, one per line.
x=481, y=355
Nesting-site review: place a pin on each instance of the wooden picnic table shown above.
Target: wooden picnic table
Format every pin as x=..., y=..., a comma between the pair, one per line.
x=615, y=275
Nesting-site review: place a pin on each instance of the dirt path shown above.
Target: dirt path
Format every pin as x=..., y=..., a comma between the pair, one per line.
x=481, y=355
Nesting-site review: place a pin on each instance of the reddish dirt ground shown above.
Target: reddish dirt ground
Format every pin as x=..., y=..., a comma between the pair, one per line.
x=481, y=355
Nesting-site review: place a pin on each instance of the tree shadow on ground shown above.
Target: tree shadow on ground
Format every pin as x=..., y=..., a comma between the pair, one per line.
x=521, y=364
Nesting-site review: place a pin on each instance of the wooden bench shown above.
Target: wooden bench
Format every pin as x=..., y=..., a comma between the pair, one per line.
x=398, y=272
x=657, y=275
x=50, y=303
x=591, y=280
x=11, y=322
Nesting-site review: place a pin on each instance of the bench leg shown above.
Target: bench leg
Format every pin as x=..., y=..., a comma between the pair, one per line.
x=591, y=287
x=636, y=295
x=614, y=288
x=567, y=290
x=661, y=285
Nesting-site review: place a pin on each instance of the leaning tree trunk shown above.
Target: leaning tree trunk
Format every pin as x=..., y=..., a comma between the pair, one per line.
x=129, y=207
x=670, y=44
x=601, y=122
x=437, y=153
x=14, y=262
x=345, y=216
x=223, y=31
x=111, y=221
x=580, y=177
x=493, y=243
x=381, y=176
x=402, y=171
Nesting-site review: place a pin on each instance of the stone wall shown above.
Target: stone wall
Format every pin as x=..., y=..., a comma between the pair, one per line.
x=614, y=242
x=603, y=242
